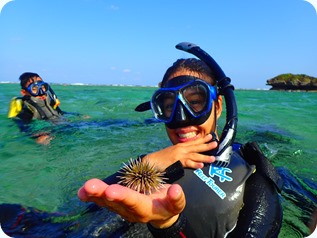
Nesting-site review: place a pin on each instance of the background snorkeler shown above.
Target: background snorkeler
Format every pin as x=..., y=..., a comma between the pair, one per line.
x=38, y=101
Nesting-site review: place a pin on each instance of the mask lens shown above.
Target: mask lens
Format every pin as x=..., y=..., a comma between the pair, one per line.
x=163, y=104
x=44, y=87
x=38, y=88
x=34, y=88
x=196, y=97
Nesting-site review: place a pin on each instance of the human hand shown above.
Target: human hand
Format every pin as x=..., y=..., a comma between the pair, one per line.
x=161, y=208
x=188, y=153
x=43, y=138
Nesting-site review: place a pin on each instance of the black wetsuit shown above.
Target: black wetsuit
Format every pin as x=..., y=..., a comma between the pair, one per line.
x=235, y=201
x=214, y=197
x=210, y=215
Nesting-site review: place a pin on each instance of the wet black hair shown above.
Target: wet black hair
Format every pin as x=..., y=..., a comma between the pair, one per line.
x=24, y=78
x=191, y=65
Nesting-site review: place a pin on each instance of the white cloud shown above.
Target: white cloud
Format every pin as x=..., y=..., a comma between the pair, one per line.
x=113, y=7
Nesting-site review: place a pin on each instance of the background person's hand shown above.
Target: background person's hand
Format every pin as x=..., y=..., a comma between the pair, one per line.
x=43, y=138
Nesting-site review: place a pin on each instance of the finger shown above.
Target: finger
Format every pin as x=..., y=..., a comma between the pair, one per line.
x=198, y=161
x=130, y=197
x=201, y=158
x=193, y=164
x=120, y=193
x=95, y=187
x=82, y=194
x=176, y=198
x=173, y=203
x=203, y=147
x=131, y=205
x=208, y=137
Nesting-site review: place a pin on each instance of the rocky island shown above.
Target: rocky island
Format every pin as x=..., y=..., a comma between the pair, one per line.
x=293, y=82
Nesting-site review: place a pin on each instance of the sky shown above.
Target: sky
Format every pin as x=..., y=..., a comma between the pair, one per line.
x=133, y=42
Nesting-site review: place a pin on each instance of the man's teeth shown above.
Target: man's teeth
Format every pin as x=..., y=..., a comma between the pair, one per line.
x=187, y=135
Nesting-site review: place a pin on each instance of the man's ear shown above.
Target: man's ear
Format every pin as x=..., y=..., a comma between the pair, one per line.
x=219, y=106
x=23, y=92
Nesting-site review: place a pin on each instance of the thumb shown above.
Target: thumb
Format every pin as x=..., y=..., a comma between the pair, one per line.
x=176, y=199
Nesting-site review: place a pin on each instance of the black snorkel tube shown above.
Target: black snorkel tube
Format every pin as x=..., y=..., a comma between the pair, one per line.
x=224, y=149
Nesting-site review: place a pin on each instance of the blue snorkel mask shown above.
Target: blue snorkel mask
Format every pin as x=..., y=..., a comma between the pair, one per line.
x=183, y=101
x=37, y=88
x=224, y=150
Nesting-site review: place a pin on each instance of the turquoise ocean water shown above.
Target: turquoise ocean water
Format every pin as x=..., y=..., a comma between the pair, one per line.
x=110, y=132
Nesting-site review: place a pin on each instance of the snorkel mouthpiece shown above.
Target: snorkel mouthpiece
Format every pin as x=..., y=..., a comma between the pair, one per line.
x=224, y=150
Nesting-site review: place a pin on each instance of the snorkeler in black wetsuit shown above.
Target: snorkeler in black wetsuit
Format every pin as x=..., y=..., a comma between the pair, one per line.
x=221, y=197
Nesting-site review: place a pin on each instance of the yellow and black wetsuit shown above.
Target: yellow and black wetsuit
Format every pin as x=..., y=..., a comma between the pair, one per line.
x=27, y=108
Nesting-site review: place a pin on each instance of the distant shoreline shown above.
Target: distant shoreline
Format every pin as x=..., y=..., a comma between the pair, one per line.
x=124, y=85
x=86, y=84
x=145, y=86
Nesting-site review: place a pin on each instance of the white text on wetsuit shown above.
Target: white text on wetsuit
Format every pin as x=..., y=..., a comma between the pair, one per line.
x=210, y=183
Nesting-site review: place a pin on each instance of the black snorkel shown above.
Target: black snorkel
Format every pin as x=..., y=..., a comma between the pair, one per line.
x=224, y=149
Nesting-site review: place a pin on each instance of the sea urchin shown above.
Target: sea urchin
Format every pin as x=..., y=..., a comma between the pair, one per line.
x=142, y=177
